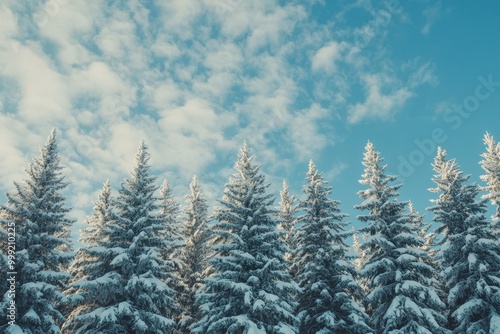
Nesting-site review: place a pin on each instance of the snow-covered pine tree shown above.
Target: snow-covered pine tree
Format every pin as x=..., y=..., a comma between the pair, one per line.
x=491, y=165
x=356, y=247
x=142, y=299
x=469, y=255
x=195, y=253
x=38, y=212
x=172, y=231
x=430, y=247
x=401, y=298
x=328, y=288
x=96, y=283
x=287, y=220
x=150, y=304
x=359, y=259
x=423, y=230
x=250, y=290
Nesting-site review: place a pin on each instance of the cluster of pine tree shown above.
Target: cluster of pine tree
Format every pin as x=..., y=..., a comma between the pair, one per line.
x=150, y=265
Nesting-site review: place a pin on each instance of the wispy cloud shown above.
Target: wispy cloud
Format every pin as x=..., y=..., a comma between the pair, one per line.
x=383, y=99
x=431, y=15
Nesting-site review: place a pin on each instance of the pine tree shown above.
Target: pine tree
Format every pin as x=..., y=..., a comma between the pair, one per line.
x=250, y=289
x=360, y=253
x=287, y=220
x=195, y=253
x=359, y=259
x=491, y=165
x=402, y=298
x=97, y=283
x=39, y=216
x=140, y=297
x=150, y=303
x=430, y=247
x=326, y=279
x=469, y=254
x=423, y=230
x=172, y=231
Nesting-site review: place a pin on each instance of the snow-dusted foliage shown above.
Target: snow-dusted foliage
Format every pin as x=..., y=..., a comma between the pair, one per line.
x=360, y=257
x=95, y=284
x=37, y=212
x=172, y=228
x=169, y=211
x=491, y=165
x=195, y=253
x=287, y=220
x=469, y=254
x=133, y=286
x=323, y=273
x=250, y=290
x=402, y=297
x=424, y=231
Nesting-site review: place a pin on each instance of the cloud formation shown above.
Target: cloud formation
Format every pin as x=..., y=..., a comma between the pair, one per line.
x=193, y=78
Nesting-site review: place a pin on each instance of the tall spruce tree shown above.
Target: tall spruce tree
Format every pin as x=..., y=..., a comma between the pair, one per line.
x=359, y=252
x=491, y=165
x=172, y=231
x=150, y=303
x=97, y=284
x=401, y=298
x=140, y=298
x=195, y=253
x=171, y=252
x=424, y=231
x=469, y=255
x=250, y=290
x=287, y=220
x=37, y=213
x=328, y=288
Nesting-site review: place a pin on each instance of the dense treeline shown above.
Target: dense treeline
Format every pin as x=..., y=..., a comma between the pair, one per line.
x=151, y=265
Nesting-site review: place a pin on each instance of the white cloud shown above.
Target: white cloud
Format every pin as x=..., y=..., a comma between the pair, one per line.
x=8, y=24
x=336, y=171
x=224, y=57
x=98, y=78
x=162, y=48
x=423, y=75
x=271, y=29
x=124, y=142
x=13, y=151
x=66, y=25
x=117, y=36
x=44, y=92
x=377, y=104
x=305, y=134
x=326, y=57
x=178, y=17
x=192, y=134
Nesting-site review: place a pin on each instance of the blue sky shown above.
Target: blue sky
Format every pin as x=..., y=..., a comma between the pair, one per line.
x=298, y=80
